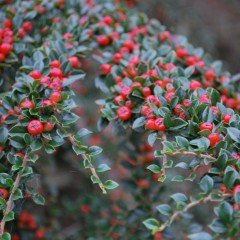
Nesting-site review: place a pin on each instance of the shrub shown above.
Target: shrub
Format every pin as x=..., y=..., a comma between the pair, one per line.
x=155, y=84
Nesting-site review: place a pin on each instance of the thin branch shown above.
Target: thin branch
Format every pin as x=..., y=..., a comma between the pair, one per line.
x=187, y=153
x=187, y=207
x=9, y=203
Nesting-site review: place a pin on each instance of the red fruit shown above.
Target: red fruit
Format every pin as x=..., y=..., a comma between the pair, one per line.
x=55, y=64
x=215, y=110
x=164, y=36
x=7, y=23
x=159, y=124
x=150, y=124
x=5, y=48
x=3, y=193
x=143, y=183
x=74, y=61
x=124, y=113
x=40, y=234
x=206, y=126
x=35, y=127
x=181, y=52
x=226, y=118
x=146, y=111
x=2, y=57
x=35, y=74
x=105, y=68
x=107, y=20
x=27, y=26
x=103, y=40
x=158, y=236
x=21, y=32
x=56, y=73
x=46, y=103
x=236, y=189
x=56, y=97
x=209, y=75
x=146, y=91
x=186, y=103
x=117, y=57
x=26, y=104
x=129, y=45
x=47, y=127
x=214, y=138
x=153, y=99
x=194, y=85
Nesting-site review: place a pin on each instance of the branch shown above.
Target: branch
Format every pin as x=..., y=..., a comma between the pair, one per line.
x=187, y=207
x=10, y=199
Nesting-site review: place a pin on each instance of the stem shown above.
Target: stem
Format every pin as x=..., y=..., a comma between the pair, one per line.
x=87, y=158
x=10, y=199
x=192, y=154
x=187, y=207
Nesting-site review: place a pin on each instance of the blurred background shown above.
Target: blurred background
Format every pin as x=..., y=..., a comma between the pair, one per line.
x=211, y=24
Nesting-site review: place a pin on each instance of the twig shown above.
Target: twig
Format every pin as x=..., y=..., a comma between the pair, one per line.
x=10, y=199
x=187, y=207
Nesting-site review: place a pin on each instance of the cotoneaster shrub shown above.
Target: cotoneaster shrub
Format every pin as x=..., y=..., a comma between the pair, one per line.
x=154, y=83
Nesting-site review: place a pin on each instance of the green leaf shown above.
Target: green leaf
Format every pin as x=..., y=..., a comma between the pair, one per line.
x=9, y=216
x=3, y=135
x=151, y=224
x=94, y=150
x=83, y=132
x=17, y=194
x=234, y=133
x=78, y=150
x=6, y=236
x=230, y=176
x=109, y=184
x=225, y=212
x=103, y=168
x=72, y=79
x=182, y=142
x=154, y=168
x=164, y=209
x=38, y=199
x=179, y=197
x=178, y=123
x=206, y=184
x=139, y=122
x=200, y=236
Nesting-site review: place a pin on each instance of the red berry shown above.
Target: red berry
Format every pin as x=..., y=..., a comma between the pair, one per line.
x=206, y=126
x=181, y=52
x=124, y=113
x=5, y=48
x=209, y=75
x=35, y=74
x=105, y=69
x=55, y=97
x=159, y=124
x=226, y=118
x=27, y=26
x=7, y=23
x=164, y=36
x=150, y=124
x=107, y=20
x=146, y=91
x=26, y=104
x=56, y=73
x=3, y=193
x=214, y=138
x=194, y=85
x=117, y=57
x=236, y=189
x=48, y=126
x=55, y=64
x=21, y=32
x=2, y=57
x=74, y=61
x=35, y=127
x=103, y=40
